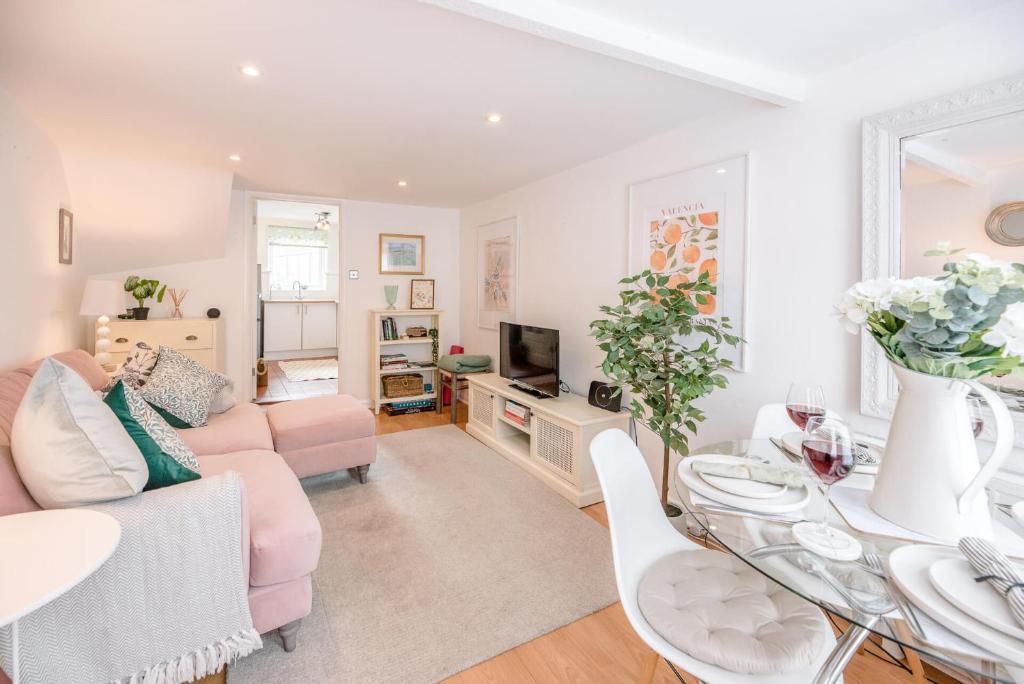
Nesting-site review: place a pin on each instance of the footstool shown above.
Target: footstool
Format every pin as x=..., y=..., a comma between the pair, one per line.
x=323, y=434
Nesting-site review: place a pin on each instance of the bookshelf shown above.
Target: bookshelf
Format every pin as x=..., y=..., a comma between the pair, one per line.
x=416, y=348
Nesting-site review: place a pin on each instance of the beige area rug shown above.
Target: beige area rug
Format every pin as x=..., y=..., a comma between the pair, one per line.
x=310, y=369
x=448, y=556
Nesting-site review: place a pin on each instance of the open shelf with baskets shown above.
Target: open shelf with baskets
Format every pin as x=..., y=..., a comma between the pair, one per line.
x=390, y=376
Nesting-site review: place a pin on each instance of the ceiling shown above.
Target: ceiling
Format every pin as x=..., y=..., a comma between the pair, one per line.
x=803, y=37
x=973, y=152
x=356, y=95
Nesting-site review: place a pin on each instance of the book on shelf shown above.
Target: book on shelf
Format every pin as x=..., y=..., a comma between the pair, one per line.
x=389, y=329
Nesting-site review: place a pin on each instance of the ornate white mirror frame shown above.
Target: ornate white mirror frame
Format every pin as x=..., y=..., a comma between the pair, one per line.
x=882, y=138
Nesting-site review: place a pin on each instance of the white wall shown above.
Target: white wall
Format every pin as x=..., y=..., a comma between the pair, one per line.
x=805, y=228
x=214, y=283
x=146, y=211
x=361, y=224
x=40, y=307
x=948, y=210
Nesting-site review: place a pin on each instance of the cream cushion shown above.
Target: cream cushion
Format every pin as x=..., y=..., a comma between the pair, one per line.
x=69, y=447
x=714, y=607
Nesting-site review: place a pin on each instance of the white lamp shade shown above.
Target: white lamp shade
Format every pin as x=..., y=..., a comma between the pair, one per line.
x=102, y=298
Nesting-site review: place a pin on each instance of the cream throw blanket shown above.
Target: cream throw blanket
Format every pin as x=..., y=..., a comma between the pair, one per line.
x=169, y=606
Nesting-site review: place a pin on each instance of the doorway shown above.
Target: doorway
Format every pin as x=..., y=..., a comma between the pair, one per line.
x=297, y=293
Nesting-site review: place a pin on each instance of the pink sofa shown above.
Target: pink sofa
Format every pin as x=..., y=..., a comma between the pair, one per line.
x=283, y=533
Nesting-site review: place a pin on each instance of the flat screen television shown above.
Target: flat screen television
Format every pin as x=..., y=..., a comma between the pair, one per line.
x=529, y=358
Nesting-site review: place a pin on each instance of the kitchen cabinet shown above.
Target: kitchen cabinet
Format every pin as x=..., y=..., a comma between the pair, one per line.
x=290, y=325
x=319, y=325
x=282, y=326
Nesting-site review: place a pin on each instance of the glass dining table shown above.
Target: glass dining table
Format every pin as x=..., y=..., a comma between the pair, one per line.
x=859, y=593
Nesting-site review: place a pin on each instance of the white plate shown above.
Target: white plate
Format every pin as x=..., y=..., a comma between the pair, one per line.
x=954, y=580
x=741, y=487
x=793, y=499
x=909, y=565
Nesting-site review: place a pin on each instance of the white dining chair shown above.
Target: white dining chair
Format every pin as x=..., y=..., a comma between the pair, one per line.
x=641, y=535
x=773, y=421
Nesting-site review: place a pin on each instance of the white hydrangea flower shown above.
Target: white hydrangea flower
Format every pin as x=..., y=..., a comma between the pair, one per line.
x=1008, y=333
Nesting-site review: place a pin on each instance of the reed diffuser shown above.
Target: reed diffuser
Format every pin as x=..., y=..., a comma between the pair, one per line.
x=177, y=296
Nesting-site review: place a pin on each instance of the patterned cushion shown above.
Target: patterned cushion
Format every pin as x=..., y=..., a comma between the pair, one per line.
x=169, y=460
x=138, y=366
x=182, y=387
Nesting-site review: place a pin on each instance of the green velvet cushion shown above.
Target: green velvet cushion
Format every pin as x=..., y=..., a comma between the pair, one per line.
x=170, y=461
x=172, y=419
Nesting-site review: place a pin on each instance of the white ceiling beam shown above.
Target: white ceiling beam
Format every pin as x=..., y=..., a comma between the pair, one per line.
x=947, y=164
x=588, y=31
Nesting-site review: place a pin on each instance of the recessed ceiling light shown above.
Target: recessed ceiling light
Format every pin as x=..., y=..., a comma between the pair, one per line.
x=494, y=118
x=719, y=170
x=250, y=70
x=235, y=157
x=402, y=184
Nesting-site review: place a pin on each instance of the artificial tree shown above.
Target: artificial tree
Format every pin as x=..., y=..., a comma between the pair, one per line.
x=660, y=348
x=142, y=289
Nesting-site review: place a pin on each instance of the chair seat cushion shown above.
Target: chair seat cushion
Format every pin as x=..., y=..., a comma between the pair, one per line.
x=240, y=428
x=317, y=421
x=717, y=609
x=284, y=533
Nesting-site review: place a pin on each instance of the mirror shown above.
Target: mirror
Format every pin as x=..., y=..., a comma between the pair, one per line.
x=1005, y=224
x=951, y=169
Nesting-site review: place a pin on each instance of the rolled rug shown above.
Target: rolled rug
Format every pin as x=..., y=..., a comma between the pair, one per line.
x=996, y=569
x=758, y=472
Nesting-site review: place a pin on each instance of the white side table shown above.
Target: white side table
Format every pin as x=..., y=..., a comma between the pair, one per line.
x=48, y=553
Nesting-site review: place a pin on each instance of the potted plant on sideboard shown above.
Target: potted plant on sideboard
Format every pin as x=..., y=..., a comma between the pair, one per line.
x=142, y=289
x=659, y=347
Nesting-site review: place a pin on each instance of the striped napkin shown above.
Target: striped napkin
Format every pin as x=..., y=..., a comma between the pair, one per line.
x=996, y=569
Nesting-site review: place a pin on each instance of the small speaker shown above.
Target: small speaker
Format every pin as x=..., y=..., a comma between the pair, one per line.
x=213, y=313
x=601, y=396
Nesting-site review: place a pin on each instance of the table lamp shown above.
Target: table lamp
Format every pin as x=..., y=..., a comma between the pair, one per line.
x=101, y=298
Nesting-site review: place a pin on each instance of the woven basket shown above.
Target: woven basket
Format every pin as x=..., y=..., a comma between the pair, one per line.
x=404, y=385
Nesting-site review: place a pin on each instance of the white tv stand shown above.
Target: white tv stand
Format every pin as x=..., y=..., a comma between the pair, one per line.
x=554, y=447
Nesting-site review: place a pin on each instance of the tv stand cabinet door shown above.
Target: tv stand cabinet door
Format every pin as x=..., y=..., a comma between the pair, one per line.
x=482, y=409
x=555, y=445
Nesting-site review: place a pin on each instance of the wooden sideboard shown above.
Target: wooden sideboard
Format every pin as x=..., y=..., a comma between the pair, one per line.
x=199, y=338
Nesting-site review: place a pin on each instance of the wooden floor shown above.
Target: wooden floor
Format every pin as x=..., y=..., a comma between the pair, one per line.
x=600, y=647
x=280, y=388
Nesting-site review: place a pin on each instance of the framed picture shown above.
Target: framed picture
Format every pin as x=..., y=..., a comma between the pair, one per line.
x=692, y=222
x=422, y=294
x=65, y=234
x=497, y=262
x=401, y=254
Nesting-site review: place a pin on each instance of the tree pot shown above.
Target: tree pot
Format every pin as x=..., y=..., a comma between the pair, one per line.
x=140, y=313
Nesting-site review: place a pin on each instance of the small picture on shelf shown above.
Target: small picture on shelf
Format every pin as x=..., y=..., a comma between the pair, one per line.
x=422, y=294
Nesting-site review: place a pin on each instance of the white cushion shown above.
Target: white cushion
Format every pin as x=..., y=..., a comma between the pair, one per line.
x=69, y=447
x=224, y=400
x=719, y=610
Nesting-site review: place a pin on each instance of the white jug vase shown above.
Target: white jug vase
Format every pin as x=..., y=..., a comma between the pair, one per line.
x=930, y=480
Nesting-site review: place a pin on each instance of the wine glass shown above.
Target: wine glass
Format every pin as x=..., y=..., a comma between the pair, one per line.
x=804, y=402
x=976, y=414
x=829, y=451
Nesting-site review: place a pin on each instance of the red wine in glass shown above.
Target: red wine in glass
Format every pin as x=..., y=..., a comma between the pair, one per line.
x=801, y=413
x=804, y=402
x=830, y=460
